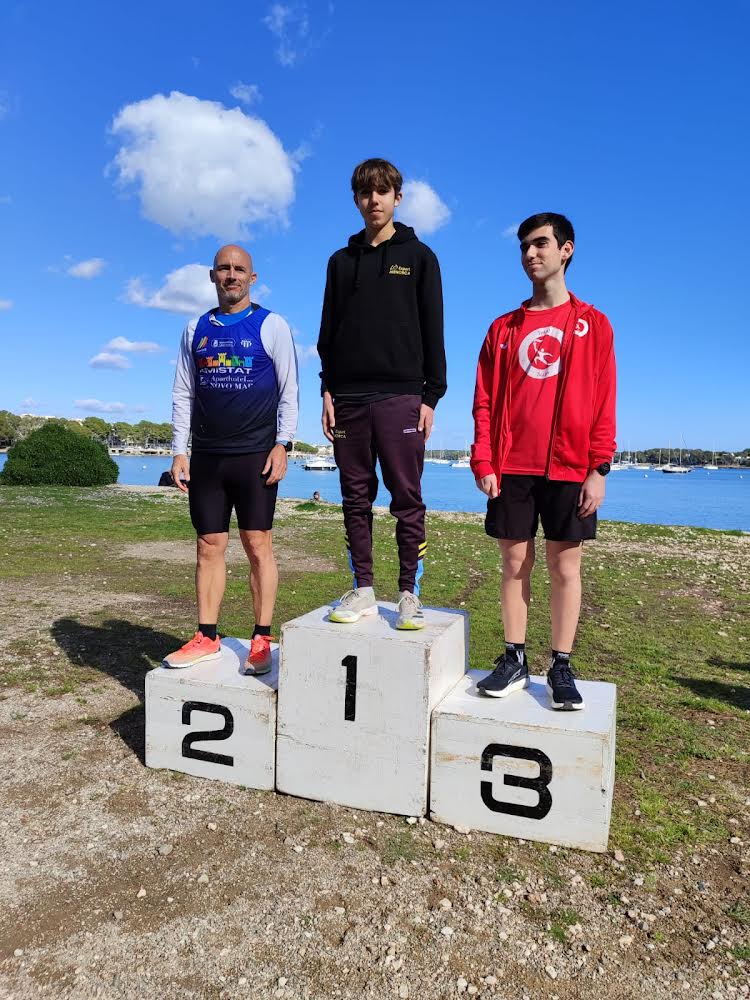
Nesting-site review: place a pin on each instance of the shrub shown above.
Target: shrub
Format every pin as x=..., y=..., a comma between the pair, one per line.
x=56, y=456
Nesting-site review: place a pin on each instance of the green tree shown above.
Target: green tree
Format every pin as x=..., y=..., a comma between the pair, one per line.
x=9, y=424
x=98, y=427
x=55, y=455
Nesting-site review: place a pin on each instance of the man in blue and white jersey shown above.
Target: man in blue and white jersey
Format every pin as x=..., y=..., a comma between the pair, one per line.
x=235, y=390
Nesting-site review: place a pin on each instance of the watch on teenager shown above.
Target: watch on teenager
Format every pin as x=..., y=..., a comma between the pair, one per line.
x=603, y=469
x=287, y=445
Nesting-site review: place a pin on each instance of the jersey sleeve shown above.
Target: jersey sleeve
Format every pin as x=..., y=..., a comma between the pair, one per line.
x=183, y=392
x=278, y=344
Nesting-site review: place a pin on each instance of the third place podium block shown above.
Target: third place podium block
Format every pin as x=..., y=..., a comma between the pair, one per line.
x=515, y=766
x=355, y=704
x=211, y=721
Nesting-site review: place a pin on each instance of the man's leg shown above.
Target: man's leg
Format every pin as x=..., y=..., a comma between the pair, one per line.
x=564, y=565
x=517, y=563
x=264, y=574
x=211, y=574
x=354, y=451
x=400, y=448
x=512, y=519
x=210, y=511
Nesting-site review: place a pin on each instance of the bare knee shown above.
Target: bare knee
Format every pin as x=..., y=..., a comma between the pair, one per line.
x=211, y=547
x=564, y=567
x=518, y=562
x=258, y=547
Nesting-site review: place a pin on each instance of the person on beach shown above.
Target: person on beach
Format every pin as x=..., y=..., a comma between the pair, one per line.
x=235, y=389
x=544, y=438
x=383, y=372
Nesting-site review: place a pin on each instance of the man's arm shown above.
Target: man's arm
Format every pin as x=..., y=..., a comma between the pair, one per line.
x=327, y=325
x=278, y=344
x=481, y=449
x=183, y=398
x=430, y=303
x=602, y=437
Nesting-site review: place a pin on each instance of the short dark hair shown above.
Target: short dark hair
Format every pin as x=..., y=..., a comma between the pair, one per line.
x=375, y=173
x=561, y=227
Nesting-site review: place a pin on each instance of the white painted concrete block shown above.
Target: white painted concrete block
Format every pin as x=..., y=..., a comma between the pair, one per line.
x=355, y=704
x=516, y=767
x=211, y=721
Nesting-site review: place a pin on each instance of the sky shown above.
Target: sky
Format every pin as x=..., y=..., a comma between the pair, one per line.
x=136, y=139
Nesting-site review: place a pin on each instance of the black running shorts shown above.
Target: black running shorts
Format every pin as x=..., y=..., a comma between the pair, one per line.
x=220, y=482
x=524, y=500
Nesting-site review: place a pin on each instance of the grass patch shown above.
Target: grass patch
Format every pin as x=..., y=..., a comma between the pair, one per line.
x=664, y=618
x=400, y=847
x=561, y=920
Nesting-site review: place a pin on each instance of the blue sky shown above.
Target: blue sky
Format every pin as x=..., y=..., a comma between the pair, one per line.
x=629, y=119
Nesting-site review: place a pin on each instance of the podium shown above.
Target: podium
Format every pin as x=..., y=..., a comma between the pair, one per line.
x=211, y=721
x=355, y=703
x=516, y=767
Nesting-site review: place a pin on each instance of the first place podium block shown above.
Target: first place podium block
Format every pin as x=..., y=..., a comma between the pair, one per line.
x=211, y=721
x=516, y=767
x=355, y=704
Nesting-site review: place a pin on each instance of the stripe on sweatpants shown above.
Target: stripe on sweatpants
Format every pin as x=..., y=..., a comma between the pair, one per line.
x=418, y=577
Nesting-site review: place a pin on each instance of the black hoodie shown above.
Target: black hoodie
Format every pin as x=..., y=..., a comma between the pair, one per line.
x=382, y=323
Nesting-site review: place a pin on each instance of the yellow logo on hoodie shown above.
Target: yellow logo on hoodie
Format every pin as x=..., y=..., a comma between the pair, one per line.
x=399, y=269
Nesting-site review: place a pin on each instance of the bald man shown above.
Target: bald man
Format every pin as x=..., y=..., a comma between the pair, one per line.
x=235, y=390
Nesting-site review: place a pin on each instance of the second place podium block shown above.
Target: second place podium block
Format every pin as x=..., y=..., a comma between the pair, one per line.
x=355, y=703
x=211, y=721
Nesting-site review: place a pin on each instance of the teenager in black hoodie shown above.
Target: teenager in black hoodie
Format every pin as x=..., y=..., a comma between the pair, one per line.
x=383, y=371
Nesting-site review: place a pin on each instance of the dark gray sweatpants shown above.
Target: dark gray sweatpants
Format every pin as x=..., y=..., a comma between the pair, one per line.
x=385, y=431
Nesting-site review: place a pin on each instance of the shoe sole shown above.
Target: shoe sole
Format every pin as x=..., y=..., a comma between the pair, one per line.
x=256, y=671
x=200, y=659
x=409, y=626
x=352, y=621
x=564, y=706
x=510, y=689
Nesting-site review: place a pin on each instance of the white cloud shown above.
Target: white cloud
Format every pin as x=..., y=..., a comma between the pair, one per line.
x=201, y=169
x=291, y=27
x=510, y=232
x=246, y=93
x=107, y=360
x=97, y=406
x=87, y=268
x=187, y=290
x=422, y=207
x=6, y=304
x=305, y=352
x=29, y=403
x=136, y=346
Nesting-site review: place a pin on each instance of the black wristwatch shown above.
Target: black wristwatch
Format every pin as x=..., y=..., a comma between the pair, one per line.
x=288, y=445
x=603, y=469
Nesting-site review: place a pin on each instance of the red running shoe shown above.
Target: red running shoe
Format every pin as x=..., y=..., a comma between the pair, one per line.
x=259, y=658
x=196, y=650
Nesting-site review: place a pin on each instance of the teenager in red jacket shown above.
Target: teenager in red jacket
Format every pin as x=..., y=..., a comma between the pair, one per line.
x=544, y=437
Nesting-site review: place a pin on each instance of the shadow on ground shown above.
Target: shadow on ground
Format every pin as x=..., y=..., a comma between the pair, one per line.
x=124, y=651
x=717, y=661
x=732, y=694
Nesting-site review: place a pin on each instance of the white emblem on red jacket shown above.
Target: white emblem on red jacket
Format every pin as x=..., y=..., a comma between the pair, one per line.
x=539, y=353
x=582, y=328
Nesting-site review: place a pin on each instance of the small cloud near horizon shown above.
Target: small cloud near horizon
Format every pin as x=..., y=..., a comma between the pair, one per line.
x=135, y=346
x=99, y=406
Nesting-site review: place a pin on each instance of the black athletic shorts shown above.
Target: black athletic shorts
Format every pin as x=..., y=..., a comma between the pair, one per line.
x=220, y=482
x=523, y=500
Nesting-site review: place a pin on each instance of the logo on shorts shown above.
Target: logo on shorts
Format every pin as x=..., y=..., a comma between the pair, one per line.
x=539, y=353
x=410, y=430
x=340, y=435
x=400, y=270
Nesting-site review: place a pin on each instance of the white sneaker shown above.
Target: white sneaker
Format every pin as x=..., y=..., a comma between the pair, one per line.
x=410, y=614
x=353, y=605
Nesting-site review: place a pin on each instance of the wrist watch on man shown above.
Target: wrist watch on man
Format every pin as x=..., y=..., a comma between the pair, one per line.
x=287, y=445
x=603, y=469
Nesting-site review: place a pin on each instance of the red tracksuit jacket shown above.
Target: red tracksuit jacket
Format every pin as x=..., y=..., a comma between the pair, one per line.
x=583, y=425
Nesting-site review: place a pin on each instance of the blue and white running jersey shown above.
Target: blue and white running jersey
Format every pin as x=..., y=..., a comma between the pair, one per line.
x=236, y=383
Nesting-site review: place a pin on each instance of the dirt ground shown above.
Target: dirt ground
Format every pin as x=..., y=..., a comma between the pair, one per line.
x=117, y=881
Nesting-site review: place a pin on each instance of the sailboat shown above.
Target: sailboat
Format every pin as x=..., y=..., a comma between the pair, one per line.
x=675, y=469
x=712, y=467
